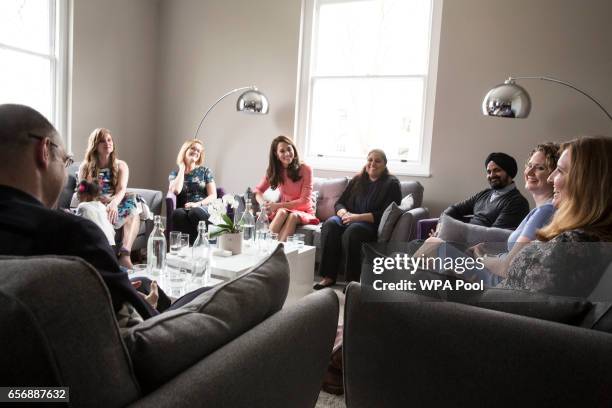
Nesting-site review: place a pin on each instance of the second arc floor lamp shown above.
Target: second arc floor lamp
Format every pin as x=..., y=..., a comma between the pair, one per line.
x=509, y=100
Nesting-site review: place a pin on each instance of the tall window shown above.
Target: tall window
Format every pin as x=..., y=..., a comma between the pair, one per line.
x=33, y=56
x=367, y=80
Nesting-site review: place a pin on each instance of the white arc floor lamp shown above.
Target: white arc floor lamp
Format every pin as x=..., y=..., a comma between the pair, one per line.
x=509, y=100
x=250, y=101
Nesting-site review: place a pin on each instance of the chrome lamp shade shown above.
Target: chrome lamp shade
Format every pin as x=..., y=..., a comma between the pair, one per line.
x=507, y=100
x=252, y=101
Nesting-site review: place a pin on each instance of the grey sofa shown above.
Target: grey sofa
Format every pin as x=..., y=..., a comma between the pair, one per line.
x=57, y=328
x=153, y=198
x=328, y=190
x=424, y=353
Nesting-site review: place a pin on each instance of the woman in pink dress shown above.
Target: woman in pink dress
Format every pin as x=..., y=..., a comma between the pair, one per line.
x=294, y=181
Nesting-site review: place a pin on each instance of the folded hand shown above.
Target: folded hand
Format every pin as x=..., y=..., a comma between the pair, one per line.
x=111, y=210
x=153, y=295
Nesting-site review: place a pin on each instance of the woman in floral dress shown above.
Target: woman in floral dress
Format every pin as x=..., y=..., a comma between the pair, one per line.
x=102, y=164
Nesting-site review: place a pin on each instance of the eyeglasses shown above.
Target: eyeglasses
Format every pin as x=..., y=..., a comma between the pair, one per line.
x=68, y=160
x=539, y=167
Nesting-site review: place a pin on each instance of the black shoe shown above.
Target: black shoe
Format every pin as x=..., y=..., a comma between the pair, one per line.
x=319, y=286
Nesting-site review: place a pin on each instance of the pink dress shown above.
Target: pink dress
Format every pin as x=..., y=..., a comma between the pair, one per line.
x=298, y=193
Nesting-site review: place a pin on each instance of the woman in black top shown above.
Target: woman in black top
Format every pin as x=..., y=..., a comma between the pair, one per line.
x=358, y=213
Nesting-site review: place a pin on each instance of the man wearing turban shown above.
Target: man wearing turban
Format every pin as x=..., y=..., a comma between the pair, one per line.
x=502, y=205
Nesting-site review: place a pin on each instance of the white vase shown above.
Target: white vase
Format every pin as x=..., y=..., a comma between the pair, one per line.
x=231, y=242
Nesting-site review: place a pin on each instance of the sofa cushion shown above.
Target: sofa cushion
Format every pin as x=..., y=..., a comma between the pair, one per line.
x=407, y=202
x=387, y=221
x=390, y=217
x=330, y=191
x=405, y=227
x=416, y=189
x=452, y=230
x=167, y=344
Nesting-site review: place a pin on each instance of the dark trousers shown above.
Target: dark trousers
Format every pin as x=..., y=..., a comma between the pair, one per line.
x=187, y=220
x=340, y=242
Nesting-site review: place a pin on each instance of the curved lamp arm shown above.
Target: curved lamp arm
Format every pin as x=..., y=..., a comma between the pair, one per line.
x=219, y=100
x=544, y=78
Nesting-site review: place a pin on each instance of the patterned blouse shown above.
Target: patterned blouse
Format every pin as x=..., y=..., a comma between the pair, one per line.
x=127, y=206
x=194, y=184
x=570, y=264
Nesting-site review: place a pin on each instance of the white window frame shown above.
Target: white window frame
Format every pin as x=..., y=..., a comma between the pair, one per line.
x=420, y=167
x=59, y=56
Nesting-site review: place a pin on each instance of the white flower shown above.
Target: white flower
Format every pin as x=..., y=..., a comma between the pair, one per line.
x=215, y=219
x=216, y=209
x=229, y=199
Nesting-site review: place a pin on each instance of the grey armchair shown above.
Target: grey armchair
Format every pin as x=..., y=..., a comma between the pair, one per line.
x=424, y=353
x=153, y=198
x=57, y=328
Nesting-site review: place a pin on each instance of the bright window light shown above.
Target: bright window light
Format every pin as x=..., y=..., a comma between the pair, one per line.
x=33, y=56
x=367, y=81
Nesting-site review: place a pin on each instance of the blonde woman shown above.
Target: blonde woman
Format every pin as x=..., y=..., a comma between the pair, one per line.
x=194, y=186
x=102, y=164
x=574, y=249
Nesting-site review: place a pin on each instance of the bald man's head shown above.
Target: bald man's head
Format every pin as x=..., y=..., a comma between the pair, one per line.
x=16, y=122
x=32, y=156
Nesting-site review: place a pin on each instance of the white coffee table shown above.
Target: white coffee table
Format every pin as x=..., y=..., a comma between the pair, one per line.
x=301, y=267
x=171, y=288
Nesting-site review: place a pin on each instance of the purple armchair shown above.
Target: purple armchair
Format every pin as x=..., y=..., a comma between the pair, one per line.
x=426, y=225
x=171, y=205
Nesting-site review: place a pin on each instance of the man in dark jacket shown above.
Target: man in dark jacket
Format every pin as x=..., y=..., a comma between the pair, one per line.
x=502, y=205
x=33, y=165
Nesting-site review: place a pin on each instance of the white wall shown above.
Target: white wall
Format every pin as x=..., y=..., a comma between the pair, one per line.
x=114, y=79
x=153, y=93
x=208, y=48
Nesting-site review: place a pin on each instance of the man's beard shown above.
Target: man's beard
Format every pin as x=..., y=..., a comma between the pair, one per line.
x=498, y=184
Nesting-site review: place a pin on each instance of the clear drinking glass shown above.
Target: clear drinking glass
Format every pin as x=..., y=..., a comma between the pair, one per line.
x=298, y=240
x=184, y=245
x=289, y=243
x=175, y=281
x=273, y=241
x=175, y=242
x=261, y=239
